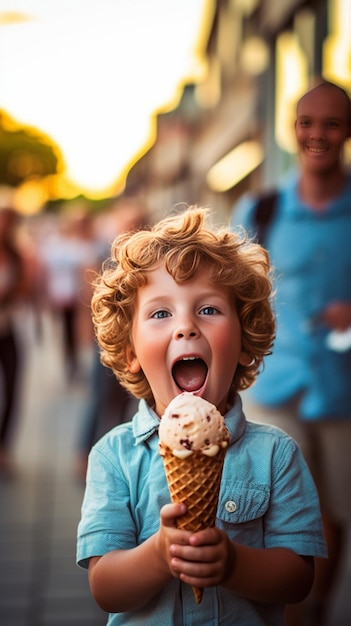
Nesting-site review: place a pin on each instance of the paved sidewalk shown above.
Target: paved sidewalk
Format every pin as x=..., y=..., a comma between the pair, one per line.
x=40, y=585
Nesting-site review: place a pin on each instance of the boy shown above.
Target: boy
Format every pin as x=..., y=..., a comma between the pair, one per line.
x=184, y=308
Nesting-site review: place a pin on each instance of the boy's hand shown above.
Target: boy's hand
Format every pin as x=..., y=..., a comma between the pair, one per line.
x=202, y=559
x=169, y=534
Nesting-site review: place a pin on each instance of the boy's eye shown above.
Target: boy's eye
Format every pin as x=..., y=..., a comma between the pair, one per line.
x=158, y=315
x=208, y=310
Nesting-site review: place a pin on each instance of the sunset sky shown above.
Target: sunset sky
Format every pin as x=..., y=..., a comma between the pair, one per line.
x=89, y=73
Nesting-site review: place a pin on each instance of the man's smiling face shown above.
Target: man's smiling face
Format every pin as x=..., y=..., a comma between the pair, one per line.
x=322, y=126
x=186, y=337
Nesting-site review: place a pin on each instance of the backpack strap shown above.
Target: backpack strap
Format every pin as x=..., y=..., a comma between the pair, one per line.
x=264, y=213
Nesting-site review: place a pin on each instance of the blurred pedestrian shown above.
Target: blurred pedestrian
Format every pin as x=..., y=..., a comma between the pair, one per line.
x=14, y=287
x=66, y=255
x=305, y=384
x=109, y=403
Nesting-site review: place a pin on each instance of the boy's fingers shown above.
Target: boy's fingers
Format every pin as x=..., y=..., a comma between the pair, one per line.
x=208, y=536
x=170, y=512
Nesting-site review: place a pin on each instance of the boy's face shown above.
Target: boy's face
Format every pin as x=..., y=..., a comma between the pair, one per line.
x=186, y=337
x=322, y=127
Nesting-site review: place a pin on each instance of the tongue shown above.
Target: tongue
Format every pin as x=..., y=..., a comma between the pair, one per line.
x=190, y=375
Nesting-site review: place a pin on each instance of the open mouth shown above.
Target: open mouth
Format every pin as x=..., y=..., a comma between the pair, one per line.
x=189, y=373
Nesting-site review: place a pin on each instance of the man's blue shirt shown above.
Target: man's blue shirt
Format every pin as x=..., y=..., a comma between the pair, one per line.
x=311, y=254
x=267, y=499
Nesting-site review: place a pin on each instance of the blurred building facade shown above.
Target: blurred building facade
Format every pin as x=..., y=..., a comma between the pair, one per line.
x=234, y=131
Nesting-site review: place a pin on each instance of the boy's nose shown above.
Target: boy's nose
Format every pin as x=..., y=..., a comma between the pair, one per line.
x=186, y=330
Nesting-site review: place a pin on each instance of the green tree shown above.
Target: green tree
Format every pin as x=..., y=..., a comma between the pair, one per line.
x=25, y=154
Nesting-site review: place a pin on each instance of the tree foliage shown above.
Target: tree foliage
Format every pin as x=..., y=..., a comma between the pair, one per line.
x=25, y=154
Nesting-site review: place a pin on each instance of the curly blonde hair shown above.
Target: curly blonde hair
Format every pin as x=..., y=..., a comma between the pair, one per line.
x=184, y=244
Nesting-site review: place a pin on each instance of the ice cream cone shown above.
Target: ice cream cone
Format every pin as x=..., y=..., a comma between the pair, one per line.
x=194, y=480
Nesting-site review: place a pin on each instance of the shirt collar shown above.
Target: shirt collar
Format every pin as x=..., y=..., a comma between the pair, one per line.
x=146, y=422
x=235, y=420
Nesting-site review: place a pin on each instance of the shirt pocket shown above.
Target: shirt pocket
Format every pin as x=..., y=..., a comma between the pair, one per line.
x=241, y=508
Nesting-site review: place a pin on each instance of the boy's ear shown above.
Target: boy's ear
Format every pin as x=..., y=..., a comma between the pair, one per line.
x=132, y=361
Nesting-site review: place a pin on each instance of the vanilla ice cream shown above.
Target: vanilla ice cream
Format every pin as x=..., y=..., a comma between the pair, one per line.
x=191, y=424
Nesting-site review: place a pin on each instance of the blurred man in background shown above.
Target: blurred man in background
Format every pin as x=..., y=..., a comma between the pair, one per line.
x=305, y=385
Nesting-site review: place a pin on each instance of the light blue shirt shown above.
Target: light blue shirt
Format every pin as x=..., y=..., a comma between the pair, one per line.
x=267, y=499
x=311, y=255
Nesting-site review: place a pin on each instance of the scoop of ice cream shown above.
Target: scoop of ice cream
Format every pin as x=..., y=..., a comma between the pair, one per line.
x=191, y=424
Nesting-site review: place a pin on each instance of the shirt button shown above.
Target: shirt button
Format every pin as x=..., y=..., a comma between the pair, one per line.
x=230, y=506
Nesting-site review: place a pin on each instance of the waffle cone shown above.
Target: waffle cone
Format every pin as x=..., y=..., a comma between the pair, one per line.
x=195, y=481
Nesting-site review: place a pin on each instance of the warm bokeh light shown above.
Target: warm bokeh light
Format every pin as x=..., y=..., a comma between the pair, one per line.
x=90, y=74
x=254, y=55
x=291, y=82
x=235, y=166
x=337, y=47
x=29, y=197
